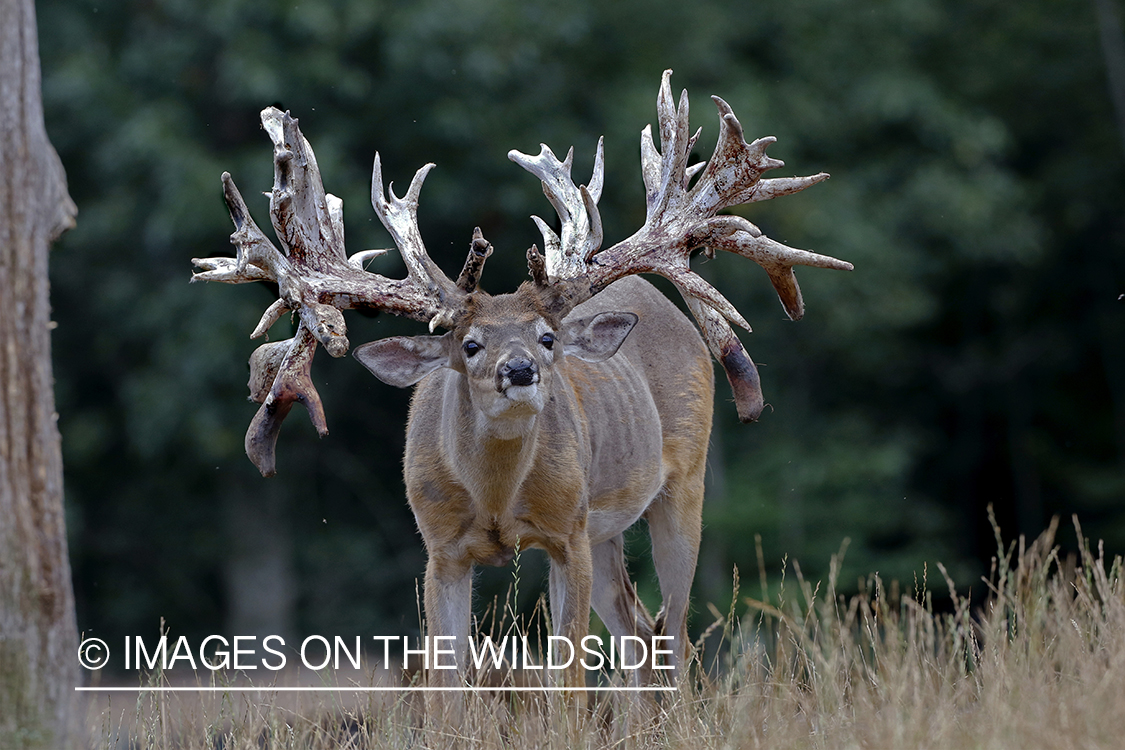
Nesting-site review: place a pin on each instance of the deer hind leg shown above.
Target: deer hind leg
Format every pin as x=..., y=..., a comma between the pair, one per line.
x=674, y=521
x=617, y=604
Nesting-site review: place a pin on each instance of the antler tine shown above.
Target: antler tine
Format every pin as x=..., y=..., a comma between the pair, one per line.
x=727, y=348
x=298, y=197
x=256, y=258
x=400, y=217
x=287, y=367
x=676, y=147
x=537, y=267
x=778, y=261
x=577, y=208
x=733, y=174
x=479, y=250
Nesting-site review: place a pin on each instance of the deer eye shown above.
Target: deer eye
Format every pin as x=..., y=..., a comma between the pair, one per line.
x=547, y=340
x=470, y=348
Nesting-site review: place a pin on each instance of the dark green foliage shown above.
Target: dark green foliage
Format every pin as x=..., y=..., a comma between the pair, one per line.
x=973, y=357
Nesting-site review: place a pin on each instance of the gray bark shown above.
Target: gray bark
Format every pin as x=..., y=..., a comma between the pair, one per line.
x=38, y=634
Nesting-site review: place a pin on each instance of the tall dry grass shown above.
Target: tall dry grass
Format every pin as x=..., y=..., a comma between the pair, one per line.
x=1040, y=664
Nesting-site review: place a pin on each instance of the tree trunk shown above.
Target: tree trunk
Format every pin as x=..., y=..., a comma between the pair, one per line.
x=38, y=633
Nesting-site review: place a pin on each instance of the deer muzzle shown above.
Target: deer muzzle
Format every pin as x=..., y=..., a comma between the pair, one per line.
x=518, y=371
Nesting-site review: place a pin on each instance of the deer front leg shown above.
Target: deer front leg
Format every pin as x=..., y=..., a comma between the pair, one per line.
x=570, y=584
x=448, y=600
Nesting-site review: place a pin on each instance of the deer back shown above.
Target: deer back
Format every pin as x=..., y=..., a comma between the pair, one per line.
x=654, y=396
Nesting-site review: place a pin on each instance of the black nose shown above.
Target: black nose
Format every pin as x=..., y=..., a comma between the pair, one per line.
x=519, y=371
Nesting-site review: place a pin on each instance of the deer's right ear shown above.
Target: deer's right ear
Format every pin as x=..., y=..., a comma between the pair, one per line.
x=402, y=361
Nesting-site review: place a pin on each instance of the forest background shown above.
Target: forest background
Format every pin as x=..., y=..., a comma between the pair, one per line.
x=974, y=356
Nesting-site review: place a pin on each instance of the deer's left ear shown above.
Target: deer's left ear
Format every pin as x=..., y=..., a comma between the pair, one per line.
x=598, y=337
x=402, y=361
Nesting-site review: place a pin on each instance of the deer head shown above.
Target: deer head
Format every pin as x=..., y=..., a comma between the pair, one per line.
x=506, y=346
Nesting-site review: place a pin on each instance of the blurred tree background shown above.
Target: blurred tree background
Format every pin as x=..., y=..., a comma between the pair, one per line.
x=973, y=357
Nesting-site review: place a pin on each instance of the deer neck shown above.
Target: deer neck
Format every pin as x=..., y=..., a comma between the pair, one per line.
x=493, y=456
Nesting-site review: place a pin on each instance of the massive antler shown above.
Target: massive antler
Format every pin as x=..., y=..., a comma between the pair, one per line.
x=317, y=280
x=680, y=219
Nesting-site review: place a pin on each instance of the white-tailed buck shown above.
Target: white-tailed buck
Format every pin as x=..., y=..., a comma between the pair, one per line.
x=554, y=417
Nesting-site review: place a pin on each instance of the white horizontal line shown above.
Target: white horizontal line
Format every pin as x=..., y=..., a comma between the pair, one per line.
x=407, y=689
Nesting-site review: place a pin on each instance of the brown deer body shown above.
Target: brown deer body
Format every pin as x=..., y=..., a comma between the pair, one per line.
x=554, y=417
x=566, y=463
